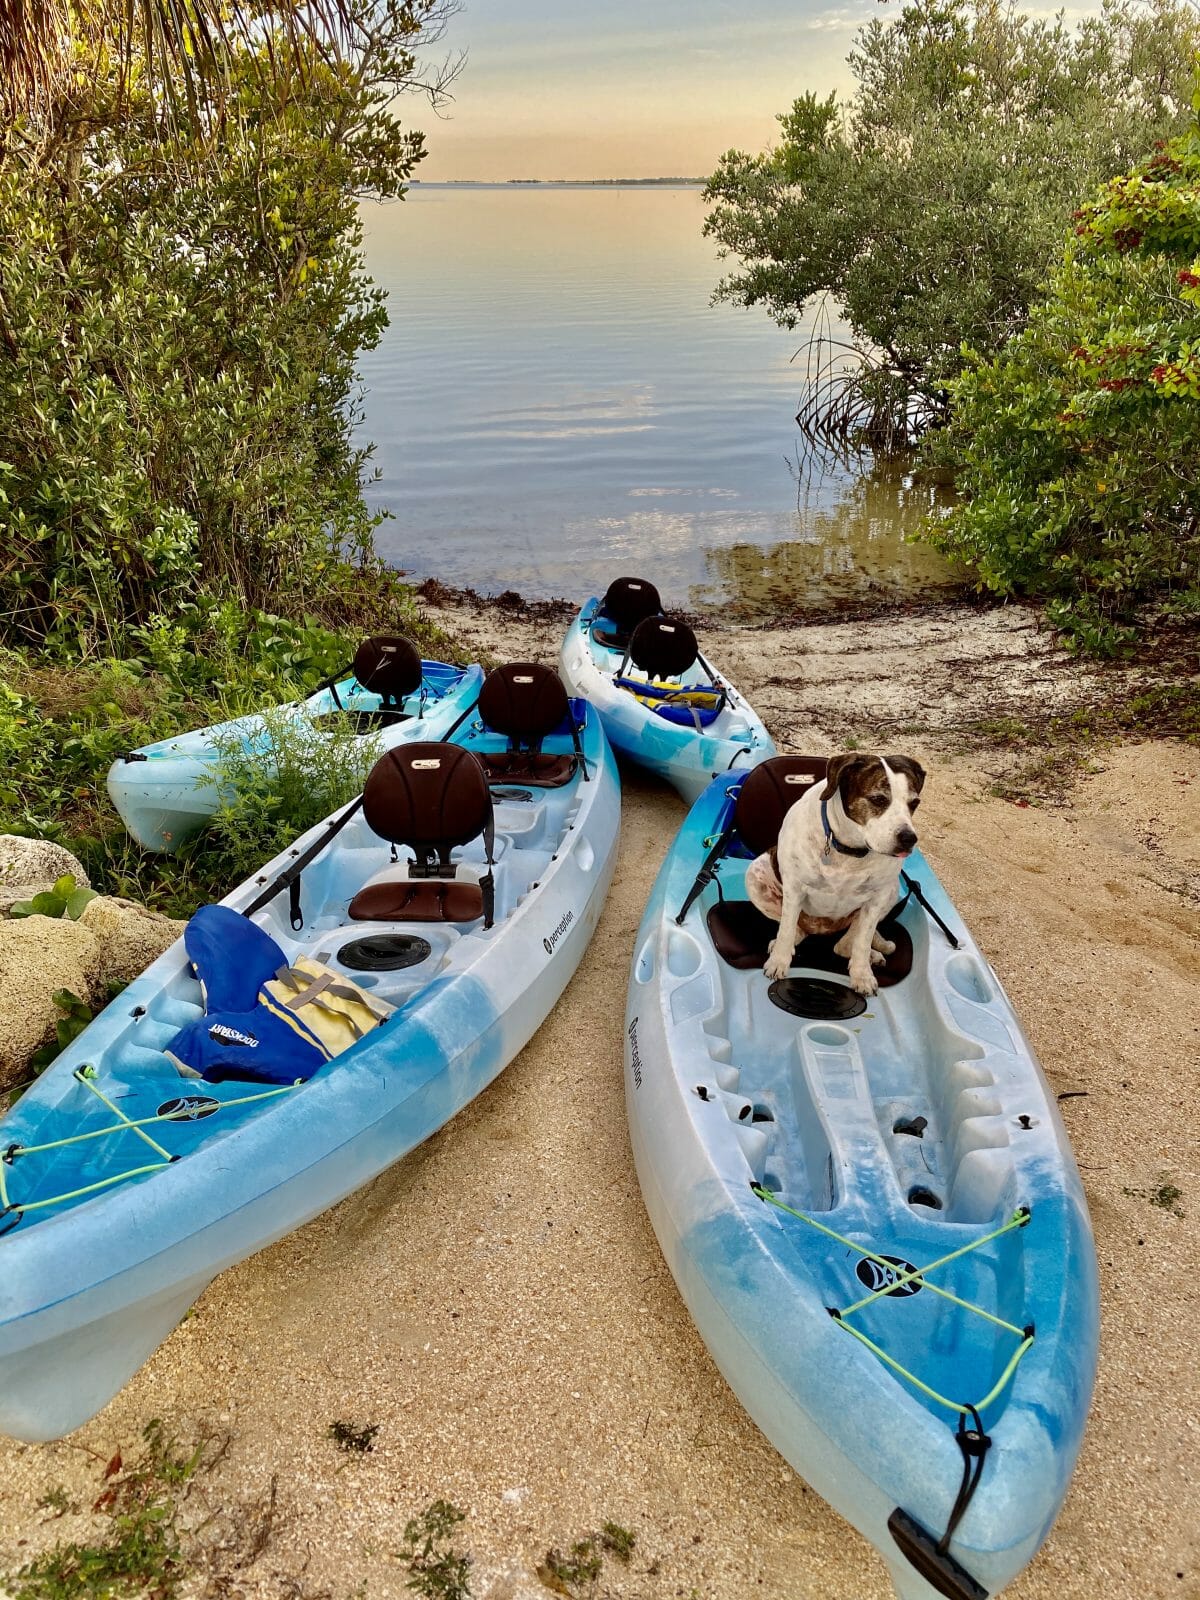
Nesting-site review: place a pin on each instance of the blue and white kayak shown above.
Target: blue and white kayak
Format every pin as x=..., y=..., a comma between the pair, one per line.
x=125, y=1188
x=165, y=792
x=665, y=726
x=870, y=1208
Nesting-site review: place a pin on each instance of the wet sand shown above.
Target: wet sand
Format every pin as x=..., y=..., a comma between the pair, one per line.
x=497, y=1305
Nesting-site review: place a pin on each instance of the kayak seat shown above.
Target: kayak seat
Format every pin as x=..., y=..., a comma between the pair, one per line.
x=740, y=932
x=431, y=798
x=389, y=666
x=525, y=702
x=741, y=936
x=664, y=648
x=627, y=601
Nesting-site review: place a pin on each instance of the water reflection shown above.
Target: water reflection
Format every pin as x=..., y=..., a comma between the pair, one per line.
x=556, y=401
x=855, y=549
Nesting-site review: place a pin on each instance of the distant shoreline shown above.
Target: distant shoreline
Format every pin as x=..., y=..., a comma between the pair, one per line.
x=557, y=183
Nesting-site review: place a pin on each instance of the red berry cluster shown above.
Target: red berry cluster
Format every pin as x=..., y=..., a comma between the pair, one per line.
x=1190, y=280
x=1127, y=238
x=1115, y=385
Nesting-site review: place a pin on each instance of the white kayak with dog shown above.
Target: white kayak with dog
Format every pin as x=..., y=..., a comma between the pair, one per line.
x=302, y=1036
x=867, y=1199
x=661, y=702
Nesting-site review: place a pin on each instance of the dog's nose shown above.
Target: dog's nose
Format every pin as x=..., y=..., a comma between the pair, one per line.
x=905, y=839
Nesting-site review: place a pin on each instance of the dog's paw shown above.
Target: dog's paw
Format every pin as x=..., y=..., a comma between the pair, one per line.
x=778, y=962
x=885, y=946
x=878, y=957
x=862, y=981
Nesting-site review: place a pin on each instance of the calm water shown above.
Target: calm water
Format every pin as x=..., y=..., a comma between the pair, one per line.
x=556, y=402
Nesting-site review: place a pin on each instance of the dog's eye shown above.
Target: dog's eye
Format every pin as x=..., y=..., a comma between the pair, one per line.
x=880, y=800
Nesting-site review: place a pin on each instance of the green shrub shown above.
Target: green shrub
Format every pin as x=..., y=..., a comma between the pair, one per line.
x=1079, y=444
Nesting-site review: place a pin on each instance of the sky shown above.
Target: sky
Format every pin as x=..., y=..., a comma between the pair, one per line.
x=628, y=88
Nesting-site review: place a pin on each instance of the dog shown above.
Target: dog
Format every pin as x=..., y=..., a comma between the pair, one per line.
x=837, y=863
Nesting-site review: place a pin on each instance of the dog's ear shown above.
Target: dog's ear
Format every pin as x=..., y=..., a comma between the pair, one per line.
x=838, y=767
x=912, y=770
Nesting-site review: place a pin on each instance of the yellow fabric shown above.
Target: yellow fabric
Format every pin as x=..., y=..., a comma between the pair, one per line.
x=676, y=694
x=323, y=1006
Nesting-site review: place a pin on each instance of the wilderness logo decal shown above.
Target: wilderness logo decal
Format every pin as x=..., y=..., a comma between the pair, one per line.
x=877, y=1273
x=189, y=1107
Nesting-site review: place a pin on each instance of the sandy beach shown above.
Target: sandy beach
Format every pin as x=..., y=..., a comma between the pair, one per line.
x=496, y=1304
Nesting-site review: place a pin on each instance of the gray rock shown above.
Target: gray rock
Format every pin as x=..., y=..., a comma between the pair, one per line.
x=129, y=936
x=37, y=956
x=31, y=866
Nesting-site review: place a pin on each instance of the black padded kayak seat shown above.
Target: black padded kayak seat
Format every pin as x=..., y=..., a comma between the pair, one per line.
x=525, y=702
x=740, y=932
x=389, y=666
x=663, y=647
x=432, y=798
x=741, y=936
x=626, y=602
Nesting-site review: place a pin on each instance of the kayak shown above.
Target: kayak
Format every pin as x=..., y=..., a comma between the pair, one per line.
x=687, y=723
x=166, y=791
x=870, y=1208
x=126, y=1186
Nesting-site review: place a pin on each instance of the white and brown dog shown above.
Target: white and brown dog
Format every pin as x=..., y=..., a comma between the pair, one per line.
x=837, y=863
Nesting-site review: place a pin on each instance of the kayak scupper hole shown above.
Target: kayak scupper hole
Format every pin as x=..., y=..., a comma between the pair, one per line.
x=920, y=1195
x=761, y=1113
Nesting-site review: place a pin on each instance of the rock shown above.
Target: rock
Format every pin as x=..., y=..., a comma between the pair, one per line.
x=37, y=956
x=31, y=866
x=130, y=937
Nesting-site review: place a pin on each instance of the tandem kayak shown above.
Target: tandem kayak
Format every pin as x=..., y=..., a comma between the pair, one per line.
x=662, y=705
x=459, y=896
x=167, y=791
x=870, y=1208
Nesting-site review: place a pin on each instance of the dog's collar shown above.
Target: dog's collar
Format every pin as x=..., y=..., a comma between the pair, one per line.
x=833, y=842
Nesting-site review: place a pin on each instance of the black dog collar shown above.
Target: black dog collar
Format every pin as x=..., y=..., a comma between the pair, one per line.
x=833, y=842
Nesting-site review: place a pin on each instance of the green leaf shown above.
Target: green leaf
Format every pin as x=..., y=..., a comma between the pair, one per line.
x=76, y=902
x=64, y=885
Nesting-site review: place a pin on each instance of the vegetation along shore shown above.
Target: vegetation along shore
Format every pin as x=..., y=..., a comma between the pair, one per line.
x=475, y=1376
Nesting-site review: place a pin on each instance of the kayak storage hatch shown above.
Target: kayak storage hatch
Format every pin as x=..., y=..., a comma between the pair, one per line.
x=458, y=900
x=166, y=791
x=870, y=1208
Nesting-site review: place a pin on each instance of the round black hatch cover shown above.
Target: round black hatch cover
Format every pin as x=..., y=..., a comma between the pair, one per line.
x=512, y=794
x=814, y=997
x=384, y=952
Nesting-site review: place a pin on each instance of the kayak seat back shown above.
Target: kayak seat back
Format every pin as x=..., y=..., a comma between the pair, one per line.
x=431, y=798
x=389, y=666
x=627, y=601
x=663, y=647
x=739, y=931
x=525, y=702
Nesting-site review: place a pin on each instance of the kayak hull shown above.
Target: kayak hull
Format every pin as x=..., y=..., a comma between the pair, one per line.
x=90, y=1288
x=166, y=792
x=688, y=758
x=806, y=1110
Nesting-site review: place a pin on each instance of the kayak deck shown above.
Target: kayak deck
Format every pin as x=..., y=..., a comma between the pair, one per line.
x=58, y=1157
